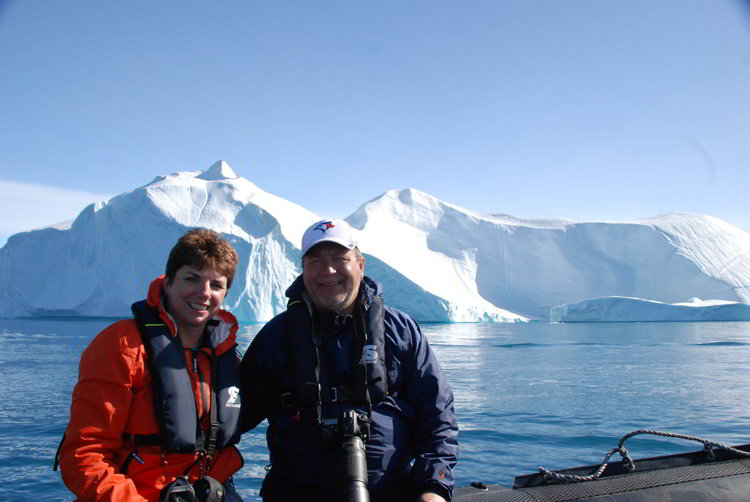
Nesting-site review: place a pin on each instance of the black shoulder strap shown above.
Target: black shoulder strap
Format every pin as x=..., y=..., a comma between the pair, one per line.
x=361, y=392
x=213, y=431
x=310, y=375
x=370, y=329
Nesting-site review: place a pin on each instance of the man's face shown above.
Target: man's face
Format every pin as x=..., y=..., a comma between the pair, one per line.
x=332, y=275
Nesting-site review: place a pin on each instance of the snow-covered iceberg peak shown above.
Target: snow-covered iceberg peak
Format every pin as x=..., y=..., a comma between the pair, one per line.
x=220, y=170
x=425, y=240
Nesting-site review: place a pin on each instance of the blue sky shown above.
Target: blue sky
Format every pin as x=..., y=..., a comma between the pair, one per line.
x=579, y=109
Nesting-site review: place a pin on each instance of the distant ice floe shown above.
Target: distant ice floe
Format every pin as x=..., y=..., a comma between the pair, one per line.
x=624, y=309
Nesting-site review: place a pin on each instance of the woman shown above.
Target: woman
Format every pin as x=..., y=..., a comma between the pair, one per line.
x=157, y=398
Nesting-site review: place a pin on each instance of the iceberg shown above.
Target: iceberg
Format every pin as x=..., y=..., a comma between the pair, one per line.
x=438, y=261
x=528, y=266
x=622, y=309
x=102, y=262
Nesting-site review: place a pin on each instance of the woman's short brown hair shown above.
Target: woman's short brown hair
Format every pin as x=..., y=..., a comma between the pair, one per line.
x=202, y=247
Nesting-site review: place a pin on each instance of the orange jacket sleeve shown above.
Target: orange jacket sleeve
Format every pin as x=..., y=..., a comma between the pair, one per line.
x=109, y=368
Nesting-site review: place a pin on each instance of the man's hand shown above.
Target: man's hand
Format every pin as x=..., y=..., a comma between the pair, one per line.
x=430, y=497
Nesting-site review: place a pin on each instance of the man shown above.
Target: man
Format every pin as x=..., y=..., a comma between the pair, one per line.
x=337, y=348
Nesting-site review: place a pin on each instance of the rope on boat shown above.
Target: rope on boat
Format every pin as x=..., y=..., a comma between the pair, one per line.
x=709, y=446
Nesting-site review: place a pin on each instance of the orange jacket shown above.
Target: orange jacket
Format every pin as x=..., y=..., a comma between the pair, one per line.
x=113, y=398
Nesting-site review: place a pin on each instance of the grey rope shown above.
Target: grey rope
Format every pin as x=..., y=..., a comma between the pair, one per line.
x=709, y=446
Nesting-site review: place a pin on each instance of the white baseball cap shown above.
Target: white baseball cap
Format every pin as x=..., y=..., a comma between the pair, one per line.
x=333, y=230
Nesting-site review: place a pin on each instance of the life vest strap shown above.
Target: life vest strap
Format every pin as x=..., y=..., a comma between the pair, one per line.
x=213, y=431
x=335, y=394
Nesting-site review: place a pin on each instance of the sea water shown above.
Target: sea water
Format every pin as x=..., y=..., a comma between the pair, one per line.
x=527, y=395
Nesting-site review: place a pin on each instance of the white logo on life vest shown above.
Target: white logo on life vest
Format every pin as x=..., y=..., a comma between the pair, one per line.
x=234, y=397
x=369, y=354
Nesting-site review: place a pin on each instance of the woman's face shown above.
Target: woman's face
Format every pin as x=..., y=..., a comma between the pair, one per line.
x=194, y=296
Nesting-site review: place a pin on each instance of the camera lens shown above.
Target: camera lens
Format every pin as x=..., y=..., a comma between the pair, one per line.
x=351, y=470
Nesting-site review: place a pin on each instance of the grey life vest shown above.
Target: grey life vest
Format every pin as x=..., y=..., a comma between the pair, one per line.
x=174, y=400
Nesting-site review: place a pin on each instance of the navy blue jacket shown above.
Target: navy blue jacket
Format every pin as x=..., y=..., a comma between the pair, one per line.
x=415, y=422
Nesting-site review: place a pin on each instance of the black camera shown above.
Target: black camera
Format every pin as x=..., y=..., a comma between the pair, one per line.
x=206, y=489
x=352, y=430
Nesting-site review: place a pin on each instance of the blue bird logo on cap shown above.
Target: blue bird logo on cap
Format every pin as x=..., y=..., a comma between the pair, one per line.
x=324, y=226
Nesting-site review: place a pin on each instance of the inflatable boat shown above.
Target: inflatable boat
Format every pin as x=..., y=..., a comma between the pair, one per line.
x=716, y=473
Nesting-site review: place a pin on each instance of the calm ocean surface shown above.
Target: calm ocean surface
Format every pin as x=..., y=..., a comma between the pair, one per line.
x=556, y=395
